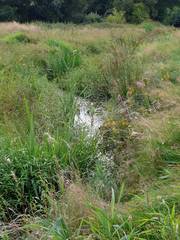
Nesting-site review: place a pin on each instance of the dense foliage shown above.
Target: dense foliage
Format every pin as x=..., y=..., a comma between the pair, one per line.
x=77, y=10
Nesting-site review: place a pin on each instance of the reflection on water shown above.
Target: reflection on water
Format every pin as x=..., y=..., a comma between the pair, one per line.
x=89, y=115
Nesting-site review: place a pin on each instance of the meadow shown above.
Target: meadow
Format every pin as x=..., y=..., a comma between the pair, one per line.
x=60, y=181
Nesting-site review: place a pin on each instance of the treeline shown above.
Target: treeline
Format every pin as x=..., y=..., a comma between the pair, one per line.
x=78, y=11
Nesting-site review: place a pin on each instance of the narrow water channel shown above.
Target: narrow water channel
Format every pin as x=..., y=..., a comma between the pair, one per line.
x=90, y=116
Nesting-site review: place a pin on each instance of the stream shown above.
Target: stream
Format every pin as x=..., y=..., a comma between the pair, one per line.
x=90, y=116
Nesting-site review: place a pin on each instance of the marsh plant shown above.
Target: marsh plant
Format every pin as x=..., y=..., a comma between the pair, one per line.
x=61, y=59
x=124, y=68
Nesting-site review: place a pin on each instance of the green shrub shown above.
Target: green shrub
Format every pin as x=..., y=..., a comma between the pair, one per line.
x=139, y=13
x=116, y=17
x=93, y=18
x=172, y=16
x=59, y=44
x=149, y=26
x=24, y=178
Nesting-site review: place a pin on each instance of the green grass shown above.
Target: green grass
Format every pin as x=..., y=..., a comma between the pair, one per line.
x=61, y=59
x=17, y=37
x=56, y=181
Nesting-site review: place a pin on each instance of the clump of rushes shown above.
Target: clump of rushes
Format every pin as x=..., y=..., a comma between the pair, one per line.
x=125, y=71
x=61, y=59
x=125, y=68
x=89, y=81
x=29, y=169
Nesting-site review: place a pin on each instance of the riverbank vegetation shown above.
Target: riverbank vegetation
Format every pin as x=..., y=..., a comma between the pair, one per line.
x=58, y=180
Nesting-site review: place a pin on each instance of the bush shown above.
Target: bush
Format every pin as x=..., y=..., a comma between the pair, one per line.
x=116, y=17
x=92, y=18
x=149, y=26
x=172, y=16
x=140, y=13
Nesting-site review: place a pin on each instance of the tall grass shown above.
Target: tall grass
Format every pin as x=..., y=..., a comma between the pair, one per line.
x=29, y=169
x=158, y=221
x=33, y=162
x=125, y=68
x=39, y=142
x=43, y=155
x=61, y=59
x=169, y=149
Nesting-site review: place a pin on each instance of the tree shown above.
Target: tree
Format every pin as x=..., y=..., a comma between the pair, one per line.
x=7, y=13
x=99, y=6
x=74, y=10
x=163, y=5
x=172, y=16
x=140, y=13
x=27, y=10
x=46, y=10
x=126, y=6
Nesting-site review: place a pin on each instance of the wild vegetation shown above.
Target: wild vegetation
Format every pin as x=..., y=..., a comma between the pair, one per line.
x=59, y=181
x=89, y=11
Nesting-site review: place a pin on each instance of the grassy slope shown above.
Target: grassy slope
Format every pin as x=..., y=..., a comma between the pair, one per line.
x=146, y=159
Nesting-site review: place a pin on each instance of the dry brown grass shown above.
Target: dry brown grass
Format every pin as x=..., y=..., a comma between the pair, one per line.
x=74, y=34
x=10, y=27
x=76, y=204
